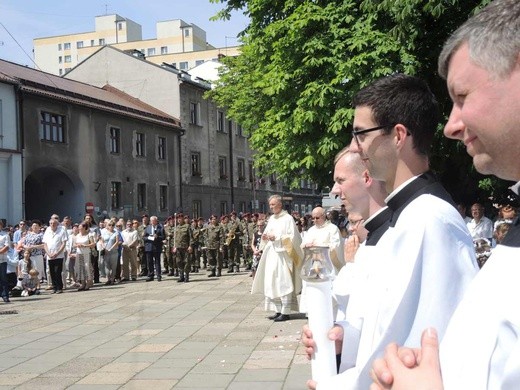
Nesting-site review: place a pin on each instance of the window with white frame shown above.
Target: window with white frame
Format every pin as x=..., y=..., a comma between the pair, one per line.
x=196, y=208
x=199, y=62
x=141, y=196
x=164, y=49
x=101, y=41
x=52, y=127
x=223, y=208
x=186, y=32
x=68, y=59
x=195, y=164
x=59, y=46
x=115, y=140
x=161, y=148
x=241, y=169
x=60, y=59
x=139, y=144
x=163, y=197
x=222, y=167
x=220, y=121
x=183, y=65
x=251, y=169
x=66, y=46
x=195, y=113
x=115, y=195
x=151, y=51
x=79, y=44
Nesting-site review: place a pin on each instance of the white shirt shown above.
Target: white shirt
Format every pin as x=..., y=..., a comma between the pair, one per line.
x=54, y=240
x=481, y=229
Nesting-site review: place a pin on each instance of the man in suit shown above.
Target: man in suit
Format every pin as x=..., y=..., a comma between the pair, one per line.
x=153, y=239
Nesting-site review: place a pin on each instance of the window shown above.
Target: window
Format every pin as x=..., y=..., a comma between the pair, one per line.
x=61, y=71
x=141, y=196
x=241, y=169
x=164, y=49
x=195, y=164
x=222, y=167
x=119, y=26
x=67, y=70
x=151, y=51
x=239, y=130
x=183, y=65
x=163, y=197
x=52, y=127
x=230, y=126
x=220, y=121
x=60, y=59
x=66, y=46
x=101, y=41
x=68, y=59
x=115, y=195
x=115, y=140
x=186, y=32
x=195, y=113
x=251, y=172
x=223, y=208
x=196, y=208
x=161, y=148
x=92, y=42
x=79, y=44
x=59, y=46
x=242, y=207
x=139, y=144
x=272, y=178
x=199, y=62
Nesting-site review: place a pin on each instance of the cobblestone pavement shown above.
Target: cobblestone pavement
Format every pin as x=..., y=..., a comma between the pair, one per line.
x=206, y=334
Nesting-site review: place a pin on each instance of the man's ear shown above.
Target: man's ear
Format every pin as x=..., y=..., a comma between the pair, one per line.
x=366, y=177
x=401, y=133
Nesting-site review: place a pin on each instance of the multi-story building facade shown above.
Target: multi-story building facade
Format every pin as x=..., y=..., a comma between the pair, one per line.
x=217, y=164
x=90, y=149
x=178, y=43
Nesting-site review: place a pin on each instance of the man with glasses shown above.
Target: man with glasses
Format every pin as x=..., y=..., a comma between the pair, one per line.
x=481, y=64
x=422, y=266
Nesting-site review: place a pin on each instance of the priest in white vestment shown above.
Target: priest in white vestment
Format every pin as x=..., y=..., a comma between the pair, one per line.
x=278, y=273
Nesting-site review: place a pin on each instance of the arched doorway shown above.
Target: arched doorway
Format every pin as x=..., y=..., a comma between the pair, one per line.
x=49, y=190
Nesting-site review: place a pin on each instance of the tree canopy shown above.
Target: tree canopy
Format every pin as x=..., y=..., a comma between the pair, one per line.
x=302, y=61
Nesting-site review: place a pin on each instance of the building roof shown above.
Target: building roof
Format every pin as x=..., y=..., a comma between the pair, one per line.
x=107, y=98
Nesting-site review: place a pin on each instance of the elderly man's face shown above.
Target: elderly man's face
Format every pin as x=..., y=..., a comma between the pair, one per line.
x=318, y=218
x=485, y=115
x=477, y=212
x=275, y=206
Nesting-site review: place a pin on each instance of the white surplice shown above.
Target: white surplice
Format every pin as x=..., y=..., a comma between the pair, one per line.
x=416, y=276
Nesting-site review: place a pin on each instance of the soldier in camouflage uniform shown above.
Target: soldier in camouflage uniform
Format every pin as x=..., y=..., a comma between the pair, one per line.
x=214, y=237
x=234, y=245
x=224, y=220
x=140, y=248
x=182, y=248
x=202, y=241
x=195, y=245
x=170, y=259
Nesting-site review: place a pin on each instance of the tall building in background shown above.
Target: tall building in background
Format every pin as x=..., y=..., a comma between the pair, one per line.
x=178, y=43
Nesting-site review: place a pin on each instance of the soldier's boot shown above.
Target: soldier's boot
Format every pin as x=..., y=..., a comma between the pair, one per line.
x=176, y=272
x=212, y=274
x=219, y=273
x=186, y=277
x=237, y=269
x=230, y=270
x=181, y=277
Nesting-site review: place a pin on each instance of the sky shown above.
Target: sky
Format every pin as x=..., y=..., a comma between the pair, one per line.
x=23, y=20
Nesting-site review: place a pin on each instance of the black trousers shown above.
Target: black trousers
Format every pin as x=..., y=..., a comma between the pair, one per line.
x=56, y=268
x=153, y=260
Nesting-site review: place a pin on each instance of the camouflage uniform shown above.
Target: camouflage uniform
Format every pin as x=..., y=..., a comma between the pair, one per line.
x=195, y=246
x=170, y=259
x=214, y=237
x=182, y=247
x=234, y=245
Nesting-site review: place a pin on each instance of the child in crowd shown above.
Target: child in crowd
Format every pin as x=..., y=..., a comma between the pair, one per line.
x=31, y=285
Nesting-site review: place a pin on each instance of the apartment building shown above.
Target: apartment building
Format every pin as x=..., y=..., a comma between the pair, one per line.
x=177, y=43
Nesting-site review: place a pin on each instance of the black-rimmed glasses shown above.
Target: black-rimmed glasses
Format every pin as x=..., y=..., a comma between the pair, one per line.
x=356, y=133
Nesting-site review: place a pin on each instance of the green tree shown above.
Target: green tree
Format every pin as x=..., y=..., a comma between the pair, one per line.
x=302, y=61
